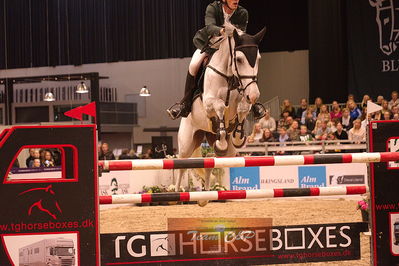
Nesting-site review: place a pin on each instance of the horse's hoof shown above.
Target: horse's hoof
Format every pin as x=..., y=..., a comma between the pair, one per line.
x=238, y=143
x=203, y=203
x=220, y=150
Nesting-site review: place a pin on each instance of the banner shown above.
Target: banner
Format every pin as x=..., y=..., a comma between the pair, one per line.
x=373, y=31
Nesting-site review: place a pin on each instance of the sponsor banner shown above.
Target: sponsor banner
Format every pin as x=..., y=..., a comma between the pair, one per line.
x=312, y=176
x=244, y=178
x=354, y=174
x=246, y=246
x=278, y=177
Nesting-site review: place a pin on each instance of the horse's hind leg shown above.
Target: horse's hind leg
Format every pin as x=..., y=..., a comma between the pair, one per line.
x=207, y=183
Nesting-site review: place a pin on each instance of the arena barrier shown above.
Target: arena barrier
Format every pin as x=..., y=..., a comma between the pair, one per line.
x=139, y=164
x=233, y=194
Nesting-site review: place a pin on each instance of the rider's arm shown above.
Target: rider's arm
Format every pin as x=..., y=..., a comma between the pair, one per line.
x=210, y=22
x=244, y=22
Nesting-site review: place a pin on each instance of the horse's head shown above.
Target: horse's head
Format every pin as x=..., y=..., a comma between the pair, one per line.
x=246, y=62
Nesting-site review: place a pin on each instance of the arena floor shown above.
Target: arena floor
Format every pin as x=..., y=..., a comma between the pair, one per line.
x=282, y=211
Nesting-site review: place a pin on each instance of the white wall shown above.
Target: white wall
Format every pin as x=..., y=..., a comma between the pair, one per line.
x=283, y=74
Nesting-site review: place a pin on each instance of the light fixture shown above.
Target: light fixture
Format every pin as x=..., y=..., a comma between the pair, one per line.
x=145, y=92
x=49, y=97
x=81, y=88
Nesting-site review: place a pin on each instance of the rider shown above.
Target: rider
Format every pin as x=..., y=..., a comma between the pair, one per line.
x=217, y=13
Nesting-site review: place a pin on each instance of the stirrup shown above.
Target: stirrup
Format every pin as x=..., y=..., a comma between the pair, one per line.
x=172, y=109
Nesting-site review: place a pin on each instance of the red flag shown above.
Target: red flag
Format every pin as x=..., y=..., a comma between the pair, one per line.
x=89, y=109
x=75, y=113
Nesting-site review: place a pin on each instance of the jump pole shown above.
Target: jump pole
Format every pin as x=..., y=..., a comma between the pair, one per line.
x=233, y=194
x=140, y=164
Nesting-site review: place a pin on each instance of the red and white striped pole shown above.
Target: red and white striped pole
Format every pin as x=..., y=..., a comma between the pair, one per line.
x=373, y=157
x=233, y=194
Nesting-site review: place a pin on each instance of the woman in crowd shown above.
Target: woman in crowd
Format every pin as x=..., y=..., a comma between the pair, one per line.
x=267, y=136
x=364, y=101
x=357, y=133
x=387, y=115
x=287, y=107
x=346, y=120
x=323, y=114
x=336, y=112
x=318, y=102
x=257, y=133
x=324, y=132
x=380, y=98
x=48, y=160
x=340, y=133
x=268, y=122
x=105, y=153
x=316, y=127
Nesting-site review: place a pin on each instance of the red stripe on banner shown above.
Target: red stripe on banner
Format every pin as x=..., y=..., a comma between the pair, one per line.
x=314, y=191
x=278, y=192
x=209, y=162
x=229, y=194
x=308, y=159
x=184, y=196
x=105, y=199
x=259, y=161
x=168, y=164
x=350, y=190
x=346, y=158
x=146, y=197
x=389, y=156
x=120, y=165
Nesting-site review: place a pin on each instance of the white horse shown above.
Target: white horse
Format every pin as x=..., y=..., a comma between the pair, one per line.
x=230, y=89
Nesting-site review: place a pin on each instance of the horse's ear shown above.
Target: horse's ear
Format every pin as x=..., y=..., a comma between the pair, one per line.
x=259, y=36
x=237, y=38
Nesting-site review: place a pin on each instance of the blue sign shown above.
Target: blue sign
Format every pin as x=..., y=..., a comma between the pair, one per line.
x=312, y=176
x=244, y=178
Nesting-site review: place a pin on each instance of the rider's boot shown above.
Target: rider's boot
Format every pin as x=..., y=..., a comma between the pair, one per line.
x=183, y=108
x=258, y=110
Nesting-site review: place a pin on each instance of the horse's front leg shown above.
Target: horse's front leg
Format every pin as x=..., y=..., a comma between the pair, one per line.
x=215, y=106
x=239, y=137
x=207, y=183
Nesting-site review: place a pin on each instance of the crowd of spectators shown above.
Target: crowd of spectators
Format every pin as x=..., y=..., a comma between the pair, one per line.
x=43, y=158
x=323, y=122
x=104, y=153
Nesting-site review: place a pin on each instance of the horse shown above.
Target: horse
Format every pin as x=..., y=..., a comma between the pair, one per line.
x=230, y=90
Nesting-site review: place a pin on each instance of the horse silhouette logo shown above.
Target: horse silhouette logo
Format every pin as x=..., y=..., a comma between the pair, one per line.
x=42, y=200
x=386, y=11
x=163, y=245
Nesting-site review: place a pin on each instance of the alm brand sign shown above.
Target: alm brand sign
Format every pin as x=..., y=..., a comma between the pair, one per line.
x=244, y=178
x=312, y=176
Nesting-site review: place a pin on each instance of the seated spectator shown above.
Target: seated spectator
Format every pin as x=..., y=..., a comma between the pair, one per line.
x=323, y=114
x=395, y=117
x=366, y=98
x=148, y=154
x=377, y=116
x=293, y=130
x=346, y=120
x=302, y=108
x=384, y=106
x=380, y=98
x=125, y=155
x=105, y=153
x=332, y=125
x=257, y=132
x=324, y=132
x=394, y=100
x=36, y=155
x=283, y=138
x=287, y=107
x=311, y=109
x=48, y=160
x=36, y=163
x=336, y=112
x=318, y=102
x=268, y=122
x=355, y=112
x=30, y=158
x=304, y=135
x=357, y=133
x=340, y=133
x=267, y=136
x=282, y=120
x=316, y=127
x=133, y=155
x=387, y=115
x=351, y=97
x=288, y=122
x=395, y=110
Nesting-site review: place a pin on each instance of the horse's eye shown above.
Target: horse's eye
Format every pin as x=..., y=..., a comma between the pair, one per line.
x=239, y=60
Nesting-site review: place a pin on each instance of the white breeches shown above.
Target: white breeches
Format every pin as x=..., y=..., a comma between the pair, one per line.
x=196, y=62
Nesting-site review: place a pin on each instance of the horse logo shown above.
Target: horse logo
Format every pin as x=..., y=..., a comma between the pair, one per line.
x=386, y=10
x=43, y=200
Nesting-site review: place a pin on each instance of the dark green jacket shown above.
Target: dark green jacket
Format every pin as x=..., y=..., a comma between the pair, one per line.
x=214, y=20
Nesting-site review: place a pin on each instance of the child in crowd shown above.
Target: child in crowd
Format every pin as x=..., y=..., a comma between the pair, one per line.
x=340, y=133
x=293, y=130
x=324, y=132
x=283, y=137
x=304, y=134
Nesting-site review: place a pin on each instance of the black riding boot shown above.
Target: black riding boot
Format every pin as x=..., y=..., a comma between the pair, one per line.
x=258, y=110
x=184, y=107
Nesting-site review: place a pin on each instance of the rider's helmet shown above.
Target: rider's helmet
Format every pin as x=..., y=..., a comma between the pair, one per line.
x=226, y=3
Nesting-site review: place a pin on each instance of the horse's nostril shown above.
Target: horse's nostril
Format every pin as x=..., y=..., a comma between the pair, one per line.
x=248, y=98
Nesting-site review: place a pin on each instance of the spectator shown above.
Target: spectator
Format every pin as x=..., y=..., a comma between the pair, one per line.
x=346, y=120
x=133, y=155
x=48, y=160
x=283, y=138
x=380, y=98
x=387, y=115
x=288, y=122
x=148, y=154
x=316, y=127
x=268, y=122
x=394, y=100
x=384, y=106
x=395, y=117
x=304, y=134
x=302, y=108
x=336, y=112
x=36, y=155
x=310, y=109
x=366, y=98
x=318, y=102
x=355, y=112
x=125, y=155
x=357, y=133
x=351, y=97
x=395, y=110
x=324, y=132
x=293, y=130
x=267, y=136
x=30, y=158
x=283, y=119
x=105, y=153
x=323, y=114
x=257, y=133
x=36, y=163
x=287, y=107
x=310, y=121
x=377, y=116
x=332, y=125
x=340, y=133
